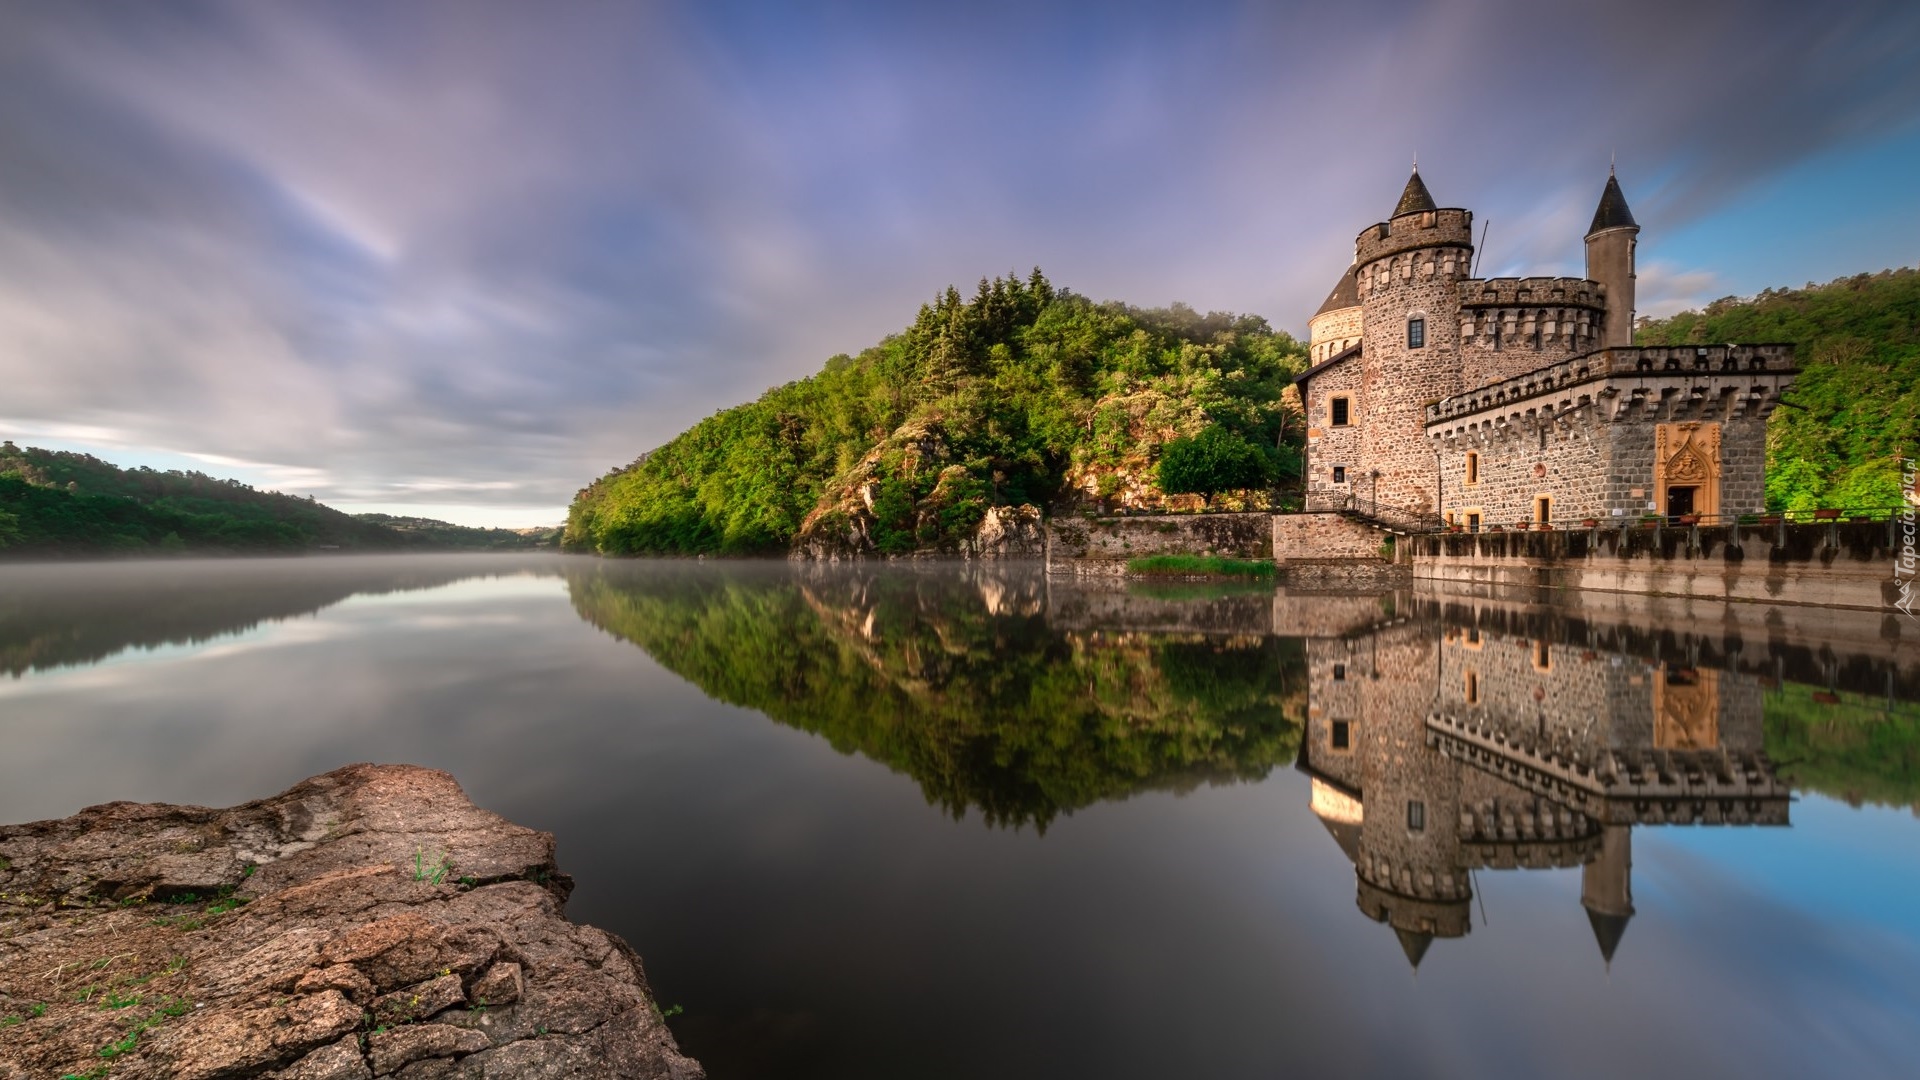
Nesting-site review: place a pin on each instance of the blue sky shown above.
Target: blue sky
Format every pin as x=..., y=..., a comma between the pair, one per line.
x=459, y=259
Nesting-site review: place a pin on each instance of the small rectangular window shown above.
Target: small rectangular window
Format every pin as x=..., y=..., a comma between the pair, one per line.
x=1416, y=333
x=1473, y=467
x=1339, y=474
x=1339, y=673
x=1341, y=415
x=1416, y=816
x=1342, y=735
x=1472, y=688
x=1543, y=510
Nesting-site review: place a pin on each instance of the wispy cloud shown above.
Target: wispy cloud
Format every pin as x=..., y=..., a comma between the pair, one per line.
x=470, y=256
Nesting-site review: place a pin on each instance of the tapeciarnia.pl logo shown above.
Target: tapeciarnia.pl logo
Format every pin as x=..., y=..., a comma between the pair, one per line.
x=1904, y=560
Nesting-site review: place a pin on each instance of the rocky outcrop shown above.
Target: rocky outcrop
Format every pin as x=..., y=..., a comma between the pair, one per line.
x=907, y=498
x=369, y=922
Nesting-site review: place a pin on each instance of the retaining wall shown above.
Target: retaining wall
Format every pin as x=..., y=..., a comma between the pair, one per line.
x=1835, y=564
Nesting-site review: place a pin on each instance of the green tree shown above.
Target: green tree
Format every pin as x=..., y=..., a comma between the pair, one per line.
x=1214, y=461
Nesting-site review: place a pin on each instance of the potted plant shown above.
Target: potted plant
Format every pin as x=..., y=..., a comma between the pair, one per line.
x=1769, y=519
x=1456, y=528
x=1689, y=519
x=1545, y=526
x=1522, y=526
x=1649, y=520
x=1826, y=515
x=1495, y=528
x=1590, y=523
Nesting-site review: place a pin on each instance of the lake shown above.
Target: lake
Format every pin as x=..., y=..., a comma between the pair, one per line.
x=972, y=822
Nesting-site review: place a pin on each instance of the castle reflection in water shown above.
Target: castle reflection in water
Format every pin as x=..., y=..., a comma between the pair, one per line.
x=1437, y=754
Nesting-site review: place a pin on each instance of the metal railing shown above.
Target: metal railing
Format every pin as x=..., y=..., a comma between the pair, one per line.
x=1823, y=516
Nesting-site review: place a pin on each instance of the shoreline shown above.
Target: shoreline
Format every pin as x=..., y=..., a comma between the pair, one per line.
x=370, y=921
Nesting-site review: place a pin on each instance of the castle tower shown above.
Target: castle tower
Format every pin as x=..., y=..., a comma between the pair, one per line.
x=1336, y=326
x=1408, y=271
x=1610, y=244
x=1606, y=889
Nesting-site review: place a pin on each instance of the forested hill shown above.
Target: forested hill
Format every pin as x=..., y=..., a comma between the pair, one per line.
x=1021, y=395
x=56, y=503
x=1858, y=394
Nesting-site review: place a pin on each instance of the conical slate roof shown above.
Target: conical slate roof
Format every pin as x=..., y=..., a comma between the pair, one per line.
x=1607, y=930
x=1414, y=944
x=1415, y=198
x=1345, y=294
x=1612, y=212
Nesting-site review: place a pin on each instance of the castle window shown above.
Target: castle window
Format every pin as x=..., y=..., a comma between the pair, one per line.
x=1416, y=333
x=1473, y=467
x=1471, y=689
x=1542, y=656
x=1339, y=673
x=1416, y=816
x=1543, y=510
x=1341, y=737
x=1496, y=335
x=1342, y=412
x=1339, y=474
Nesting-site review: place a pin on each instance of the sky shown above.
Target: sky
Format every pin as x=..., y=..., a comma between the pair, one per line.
x=458, y=259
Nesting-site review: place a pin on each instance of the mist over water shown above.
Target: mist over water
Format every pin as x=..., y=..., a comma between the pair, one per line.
x=967, y=821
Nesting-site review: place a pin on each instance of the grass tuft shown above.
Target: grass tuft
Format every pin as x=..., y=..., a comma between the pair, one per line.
x=1200, y=565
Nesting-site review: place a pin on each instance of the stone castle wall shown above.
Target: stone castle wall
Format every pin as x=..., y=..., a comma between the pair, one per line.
x=1082, y=545
x=1838, y=564
x=1329, y=447
x=1410, y=267
x=1333, y=333
x=1509, y=326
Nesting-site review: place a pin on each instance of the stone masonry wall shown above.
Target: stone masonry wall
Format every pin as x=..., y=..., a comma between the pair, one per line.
x=1509, y=326
x=1590, y=466
x=1410, y=267
x=1329, y=446
x=1838, y=564
x=1319, y=536
x=1082, y=545
x=1331, y=334
x=1571, y=462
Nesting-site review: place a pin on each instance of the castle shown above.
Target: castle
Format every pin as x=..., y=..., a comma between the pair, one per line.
x=1442, y=747
x=1439, y=399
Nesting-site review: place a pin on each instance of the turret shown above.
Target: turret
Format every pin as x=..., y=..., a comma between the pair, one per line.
x=1610, y=244
x=1606, y=890
x=1407, y=272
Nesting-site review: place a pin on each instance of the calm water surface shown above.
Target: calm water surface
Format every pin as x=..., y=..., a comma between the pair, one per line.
x=953, y=823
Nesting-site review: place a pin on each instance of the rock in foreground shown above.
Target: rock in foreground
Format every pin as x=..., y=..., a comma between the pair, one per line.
x=368, y=922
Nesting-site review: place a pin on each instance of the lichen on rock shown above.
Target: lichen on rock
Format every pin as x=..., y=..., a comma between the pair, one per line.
x=368, y=922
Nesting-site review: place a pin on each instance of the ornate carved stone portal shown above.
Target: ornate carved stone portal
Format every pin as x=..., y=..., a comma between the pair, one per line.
x=1687, y=455
x=1686, y=710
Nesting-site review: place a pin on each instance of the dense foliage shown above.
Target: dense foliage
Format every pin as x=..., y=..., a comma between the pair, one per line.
x=964, y=687
x=1214, y=461
x=60, y=503
x=1852, y=747
x=1855, y=409
x=1024, y=387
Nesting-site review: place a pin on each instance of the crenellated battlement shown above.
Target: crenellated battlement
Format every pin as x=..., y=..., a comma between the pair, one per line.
x=1411, y=232
x=1533, y=292
x=1647, y=383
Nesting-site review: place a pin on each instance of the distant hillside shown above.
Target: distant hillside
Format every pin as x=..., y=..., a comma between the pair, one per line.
x=1025, y=394
x=445, y=534
x=56, y=503
x=1858, y=396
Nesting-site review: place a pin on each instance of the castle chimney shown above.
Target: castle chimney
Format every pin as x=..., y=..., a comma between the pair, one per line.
x=1610, y=244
